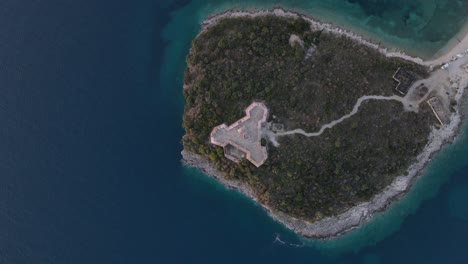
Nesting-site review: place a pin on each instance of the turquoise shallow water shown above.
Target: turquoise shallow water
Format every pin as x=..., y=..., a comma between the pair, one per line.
x=420, y=28
x=91, y=108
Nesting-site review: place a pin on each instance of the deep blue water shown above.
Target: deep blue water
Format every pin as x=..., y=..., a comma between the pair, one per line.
x=90, y=112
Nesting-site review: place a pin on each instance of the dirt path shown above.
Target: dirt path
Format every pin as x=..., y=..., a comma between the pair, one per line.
x=272, y=136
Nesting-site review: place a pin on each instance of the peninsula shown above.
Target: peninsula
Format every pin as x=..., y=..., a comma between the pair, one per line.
x=321, y=127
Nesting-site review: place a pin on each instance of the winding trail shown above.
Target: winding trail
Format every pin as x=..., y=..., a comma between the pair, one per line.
x=439, y=83
x=272, y=136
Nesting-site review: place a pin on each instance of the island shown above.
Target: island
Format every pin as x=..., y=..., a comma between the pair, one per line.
x=321, y=127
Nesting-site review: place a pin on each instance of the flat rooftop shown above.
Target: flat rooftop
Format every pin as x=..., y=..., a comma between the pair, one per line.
x=245, y=134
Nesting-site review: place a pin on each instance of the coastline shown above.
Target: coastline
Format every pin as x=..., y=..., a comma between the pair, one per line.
x=332, y=227
x=446, y=53
x=315, y=25
x=455, y=46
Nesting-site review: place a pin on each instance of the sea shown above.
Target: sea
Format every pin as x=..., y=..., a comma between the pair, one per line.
x=90, y=137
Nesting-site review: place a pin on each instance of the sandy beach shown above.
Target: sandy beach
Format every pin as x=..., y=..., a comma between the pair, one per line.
x=361, y=214
x=448, y=52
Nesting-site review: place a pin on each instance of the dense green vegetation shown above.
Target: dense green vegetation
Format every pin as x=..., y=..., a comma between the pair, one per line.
x=241, y=60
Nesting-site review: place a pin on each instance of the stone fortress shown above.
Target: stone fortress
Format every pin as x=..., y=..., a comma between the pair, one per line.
x=243, y=138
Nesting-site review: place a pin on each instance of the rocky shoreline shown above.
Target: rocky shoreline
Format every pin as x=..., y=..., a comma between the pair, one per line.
x=332, y=227
x=315, y=25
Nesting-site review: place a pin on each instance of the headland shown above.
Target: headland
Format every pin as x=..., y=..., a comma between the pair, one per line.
x=426, y=92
